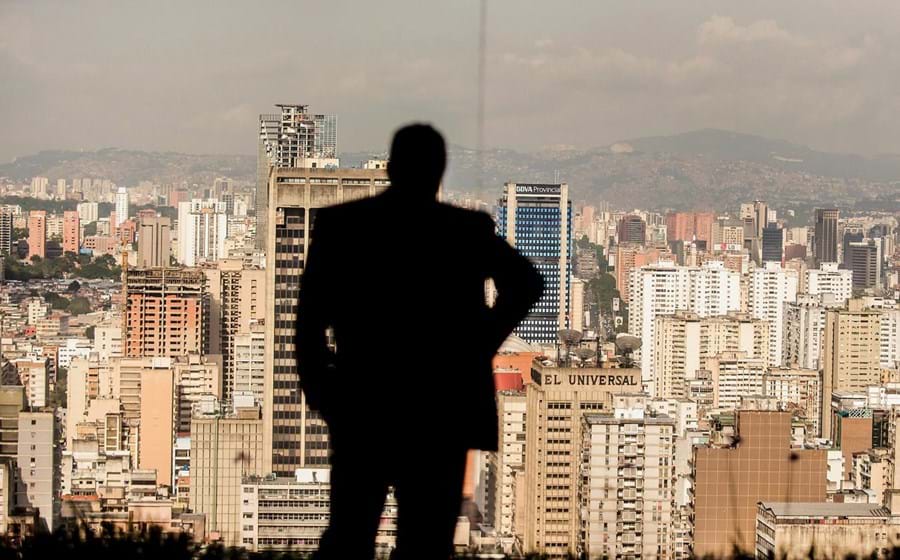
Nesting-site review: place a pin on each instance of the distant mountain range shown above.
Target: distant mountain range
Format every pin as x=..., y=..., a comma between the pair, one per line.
x=700, y=169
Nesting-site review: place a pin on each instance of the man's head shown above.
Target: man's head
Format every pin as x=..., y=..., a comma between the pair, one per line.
x=417, y=161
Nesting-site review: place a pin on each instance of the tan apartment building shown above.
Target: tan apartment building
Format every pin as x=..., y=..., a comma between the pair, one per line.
x=295, y=436
x=684, y=340
x=851, y=359
x=224, y=450
x=166, y=312
x=157, y=430
x=237, y=302
x=759, y=465
x=555, y=407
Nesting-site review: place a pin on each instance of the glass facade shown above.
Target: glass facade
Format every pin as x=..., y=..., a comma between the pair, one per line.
x=541, y=229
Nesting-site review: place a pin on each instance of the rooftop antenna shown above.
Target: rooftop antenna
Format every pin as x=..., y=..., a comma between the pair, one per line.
x=568, y=338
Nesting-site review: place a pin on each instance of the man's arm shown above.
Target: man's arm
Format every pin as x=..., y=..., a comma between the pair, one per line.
x=315, y=360
x=518, y=283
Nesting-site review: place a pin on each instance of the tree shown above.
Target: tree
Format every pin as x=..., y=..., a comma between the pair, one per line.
x=74, y=286
x=79, y=305
x=90, y=229
x=89, y=332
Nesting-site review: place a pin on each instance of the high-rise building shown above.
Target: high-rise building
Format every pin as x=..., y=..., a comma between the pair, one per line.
x=536, y=220
x=202, y=229
x=734, y=376
x=731, y=479
x=157, y=430
x=628, y=485
x=37, y=233
x=39, y=186
x=295, y=436
x=38, y=461
x=632, y=229
x=6, y=229
x=797, y=389
x=166, y=312
x=121, y=208
x=773, y=243
x=864, y=259
x=224, y=450
x=71, y=231
x=829, y=279
x=663, y=289
x=61, y=189
x=770, y=288
x=507, y=467
x=628, y=258
x=154, y=245
x=237, y=302
x=851, y=353
x=293, y=138
x=684, y=340
x=804, y=323
x=556, y=404
x=826, y=235
x=248, y=363
x=88, y=212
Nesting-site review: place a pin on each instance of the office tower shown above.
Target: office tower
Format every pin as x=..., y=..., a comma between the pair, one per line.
x=555, y=406
x=627, y=487
x=730, y=480
x=797, y=389
x=772, y=243
x=864, y=259
x=71, y=232
x=154, y=246
x=684, y=340
x=628, y=258
x=39, y=187
x=6, y=229
x=166, y=312
x=735, y=376
x=829, y=279
x=237, y=301
x=157, y=431
x=804, y=323
x=38, y=462
x=826, y=235
x=121, y=208
x=851, y=353
x=287, y=140
x=632, y=229
x=202, y=229
x=224, y=450
x=770, y=288
x=663, y=289
x=88, y=212
x=295, y=436
x=37, y=233
x=536, y=220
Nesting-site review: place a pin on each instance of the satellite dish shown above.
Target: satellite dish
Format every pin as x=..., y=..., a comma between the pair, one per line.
x=627, y=343
x=585, y=354
x=570, y=337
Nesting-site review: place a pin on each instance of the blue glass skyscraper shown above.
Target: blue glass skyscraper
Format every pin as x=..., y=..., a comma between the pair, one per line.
x=536, y=219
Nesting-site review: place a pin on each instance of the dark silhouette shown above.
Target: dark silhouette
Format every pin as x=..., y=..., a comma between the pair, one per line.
x=408, y=389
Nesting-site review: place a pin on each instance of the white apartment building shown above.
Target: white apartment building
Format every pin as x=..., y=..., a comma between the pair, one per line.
x=121, y=207
x=770, y=288
x=627, y=487
x=829, y=279
x=88, y=212
x=664, y=288
x=37, y=461
x=890, y=338
x=507, y=465
x=202, y=230
x=804, y=323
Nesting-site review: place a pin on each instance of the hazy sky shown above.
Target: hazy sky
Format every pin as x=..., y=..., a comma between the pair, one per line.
x=193, y=76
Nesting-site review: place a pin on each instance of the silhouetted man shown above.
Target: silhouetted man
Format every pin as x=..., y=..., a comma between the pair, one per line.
x=400, y=280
